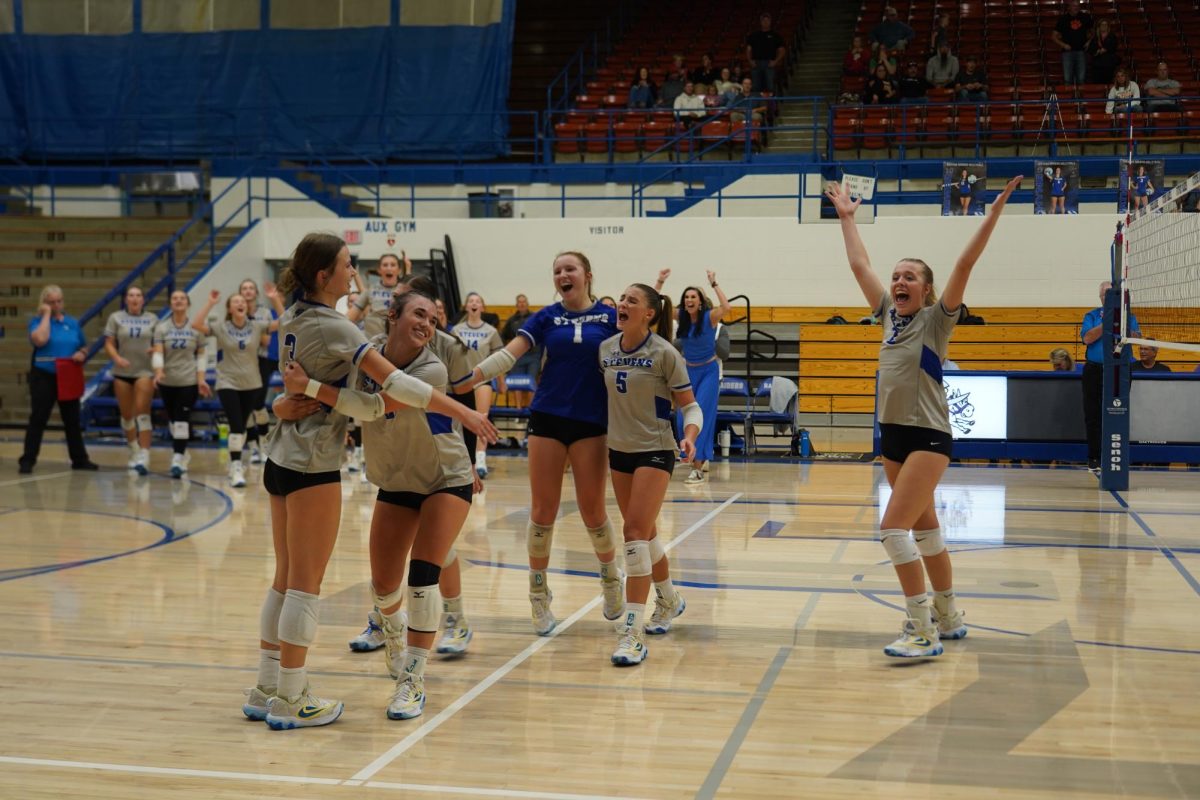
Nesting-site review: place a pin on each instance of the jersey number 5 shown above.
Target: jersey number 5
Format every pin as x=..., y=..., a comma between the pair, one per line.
x=289, y=342
x=622, y=386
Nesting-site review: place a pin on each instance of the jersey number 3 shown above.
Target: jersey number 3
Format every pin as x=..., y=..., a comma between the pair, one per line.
x=289, y=342
x=622, y=386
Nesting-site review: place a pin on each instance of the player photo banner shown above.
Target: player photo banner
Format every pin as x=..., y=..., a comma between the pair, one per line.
x=964, y=188
x=1057, y=187
x=1139, y=182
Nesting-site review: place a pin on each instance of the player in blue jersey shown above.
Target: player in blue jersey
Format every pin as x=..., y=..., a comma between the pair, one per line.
x=1058, y=192
x=568, y=423
x=965, y=185
x=1141, y=188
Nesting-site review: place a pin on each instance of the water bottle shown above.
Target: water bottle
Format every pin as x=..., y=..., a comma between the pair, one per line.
x=725, y=438
x=805, y=444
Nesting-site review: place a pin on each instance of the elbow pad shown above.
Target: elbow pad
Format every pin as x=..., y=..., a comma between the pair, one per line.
x=408, y=390
x=361, y=406
x=156, y=360
x=497, y=364
x=692, y=415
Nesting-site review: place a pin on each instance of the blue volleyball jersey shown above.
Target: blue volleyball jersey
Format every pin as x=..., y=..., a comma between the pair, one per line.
x=1141, y=185
x=1058, y=187
x=571, y=385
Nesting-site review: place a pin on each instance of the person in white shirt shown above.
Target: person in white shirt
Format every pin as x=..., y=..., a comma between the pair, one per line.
x=1123, y=89
x=689, y=106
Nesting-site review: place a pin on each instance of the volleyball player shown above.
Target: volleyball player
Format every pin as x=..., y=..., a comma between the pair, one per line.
x=1058, y=192
x=642, y=373
x=914, y=419
x=485, y=340
x=177, y=357
x=268, y=359
x=1142, y=187
x=964, y=193
x=239, y=341
x=303, y=475
x=567, y=424
x=128, y=336
x=372, y=304
x=423, y=470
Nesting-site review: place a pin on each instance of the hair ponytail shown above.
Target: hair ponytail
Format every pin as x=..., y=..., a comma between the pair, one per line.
x=661, y=321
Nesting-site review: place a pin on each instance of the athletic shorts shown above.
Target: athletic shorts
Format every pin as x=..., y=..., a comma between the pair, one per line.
x=281, y=481
x=897, y=441
x=631, y=462
x=567, y=431
x=414, y=500
x=266, y=370
x=128, y=379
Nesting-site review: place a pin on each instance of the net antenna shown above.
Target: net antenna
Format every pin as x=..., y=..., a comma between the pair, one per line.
x=1160, y=273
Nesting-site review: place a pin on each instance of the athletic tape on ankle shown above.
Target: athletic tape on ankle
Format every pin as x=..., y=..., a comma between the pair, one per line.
x=424, y=608
x=603, y=540
x=143, y=423
x=899, y=546
x=450, y=558
x=298, y=618
x=656, y=551
x=180, y=431
x=236, y=442
x=127, y=424
x=268, y=616
x=538, y=539
x=637, y=558
x=930, y=542
x=388, y=600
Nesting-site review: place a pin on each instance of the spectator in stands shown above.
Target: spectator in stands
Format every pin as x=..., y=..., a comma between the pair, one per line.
x=971, y=84
x=1070, y=35
x=940, y=35
x=706, y=73
x=54, y=335
x=713, y=100
x=1123, y=95
x=724, y=82
x=855, y=64
x=671, y=88
x=1102, y=51
x=737, y=73
x=891, y=32
x=689, y=106
x=643, y=93
x=880, y=89
x=1061, y=361
x=1091, y=332
x=732, y=94
x=942, y=68
x=1148, y=359
x=765, y=52
x=886, y=58
x=1162, y=90
x=912, y=86
x=750, y=99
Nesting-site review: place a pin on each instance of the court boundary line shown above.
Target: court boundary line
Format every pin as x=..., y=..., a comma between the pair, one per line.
x=401, y=747
x=1165, y=551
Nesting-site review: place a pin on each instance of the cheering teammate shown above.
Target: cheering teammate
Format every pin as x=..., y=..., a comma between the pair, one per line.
x=177, y=357
x=268, y=359
x=642, y=372
x=914, y=419
x=485, y=340
x=128, y=337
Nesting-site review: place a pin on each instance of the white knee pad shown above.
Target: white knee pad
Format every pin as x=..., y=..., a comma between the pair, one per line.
x=261, y=417
x=181, y=431
x=268, y=617
x=656, y=551
x=637, y=558
x=143, y=423
x=424, y=608
x=538, y=539
x=899, y=546
x=603, y=540
x=930, y=542
x=388, y=600
x=450, y=558
x=298, y=618
x=236, y=442
x=127, y=424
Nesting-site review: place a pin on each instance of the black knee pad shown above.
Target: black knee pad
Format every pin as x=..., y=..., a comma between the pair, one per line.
x=423, y=573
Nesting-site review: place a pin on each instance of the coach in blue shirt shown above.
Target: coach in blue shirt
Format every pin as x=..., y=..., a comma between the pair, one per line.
x=1091, y=331
x=54, y=335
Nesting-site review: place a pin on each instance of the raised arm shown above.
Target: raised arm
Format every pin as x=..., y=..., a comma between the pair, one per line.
x=661, y=280
x=276, y=303
x=497, y=364
x=952, y=294
x=200, y=321
x=856, y=251
x=40, y=334
x=723, y=309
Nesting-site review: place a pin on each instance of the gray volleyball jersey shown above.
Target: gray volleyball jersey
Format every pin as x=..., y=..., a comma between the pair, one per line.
x=485, y=339
x=327, y=345
x=237, y=353
x=376, y=301
x=459, y=359
x=133, y=336
x=180, y=345
x=262, y=314
x=413, y=450
x=910, y=388
x=640, y=384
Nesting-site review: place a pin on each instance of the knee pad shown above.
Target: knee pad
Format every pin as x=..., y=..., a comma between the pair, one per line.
x=127, y=424
x=143, y=423
x=236, y=442
x=656, y=551
x=538, y=539
x=423, y=573
x=268, y=617
x=899, y=546
x=181, y=431
x=261, y=417
x=388, y=600
x=602, y=537
x=298, y=618
x=424, y=599
x=930, y=542
x=450, y=558
x=637, y=558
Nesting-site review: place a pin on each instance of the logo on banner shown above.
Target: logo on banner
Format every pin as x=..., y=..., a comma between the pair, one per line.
x=391, y=240
x=352, y=237
x=962, y=410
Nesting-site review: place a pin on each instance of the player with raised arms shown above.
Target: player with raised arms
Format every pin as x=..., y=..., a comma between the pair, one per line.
x=914, y=419
x=642, y=373
x=177, y=357
x=484, y=339
x=268, y=359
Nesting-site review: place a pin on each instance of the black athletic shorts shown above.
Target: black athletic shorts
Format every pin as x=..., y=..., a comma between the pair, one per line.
x=897, y=441
x=266, y=370
x=630, y=462
x=567, y=431
x=281, y=481
x=414, y=500
x=127, y=379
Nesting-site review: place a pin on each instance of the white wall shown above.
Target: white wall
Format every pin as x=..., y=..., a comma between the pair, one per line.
x=1032, y=261
x=80, y=201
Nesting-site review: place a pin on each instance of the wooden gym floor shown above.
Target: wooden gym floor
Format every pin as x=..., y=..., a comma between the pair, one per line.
x=130, y=613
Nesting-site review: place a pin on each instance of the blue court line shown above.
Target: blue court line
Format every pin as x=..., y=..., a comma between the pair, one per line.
x=875, y=504
x=1167, y=552
x=169, y=536
x=969, y=545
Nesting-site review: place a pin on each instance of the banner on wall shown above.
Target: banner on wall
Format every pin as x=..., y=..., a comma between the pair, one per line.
x=1139, y=182
x=1057, y=189
x=964, y=186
